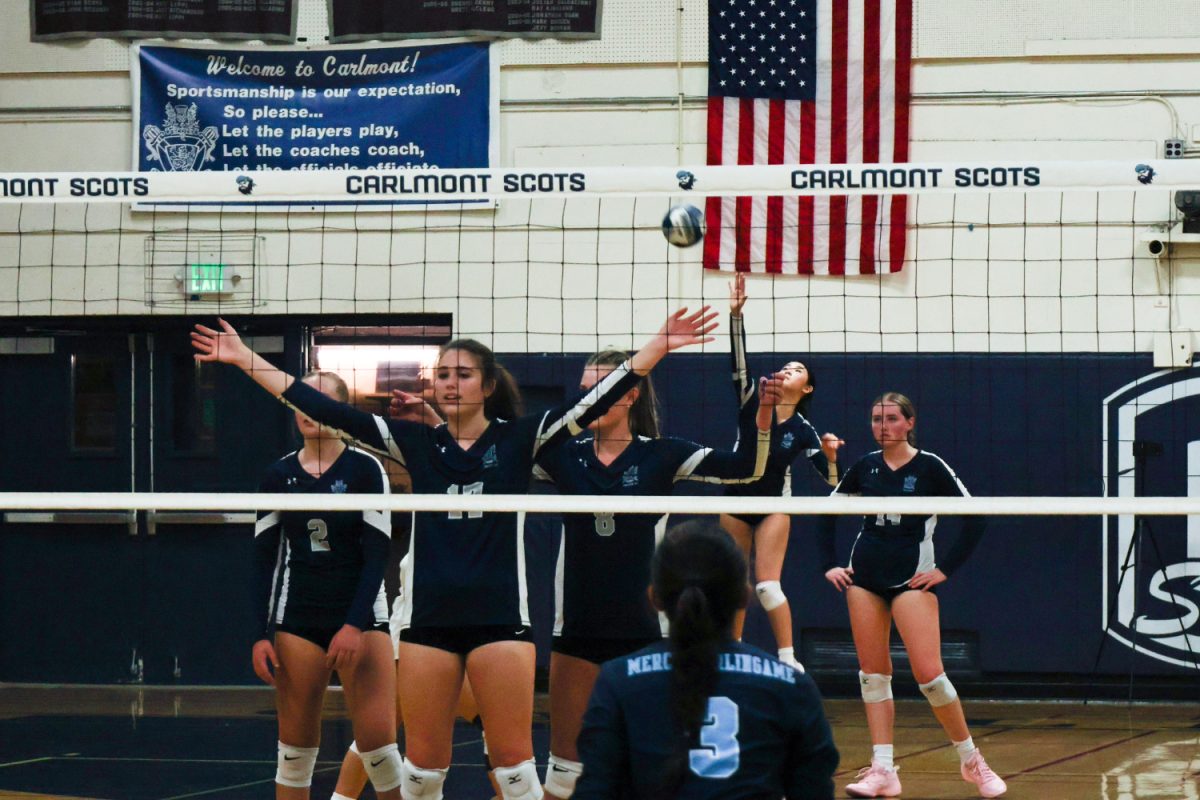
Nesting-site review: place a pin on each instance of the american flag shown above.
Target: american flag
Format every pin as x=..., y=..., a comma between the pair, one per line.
x=807, y=82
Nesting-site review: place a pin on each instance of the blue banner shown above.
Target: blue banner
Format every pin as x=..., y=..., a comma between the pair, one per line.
x=266, y=108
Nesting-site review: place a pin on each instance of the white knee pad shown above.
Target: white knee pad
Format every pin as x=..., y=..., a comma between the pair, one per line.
x=422, y=784
x=770, y=595
x=939, y=691
x=295, y=766
x=875, y=688
x=561, y=775
x=383, y=767
x=519, y=782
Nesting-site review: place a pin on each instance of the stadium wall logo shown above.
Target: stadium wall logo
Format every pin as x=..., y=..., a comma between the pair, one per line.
x=1145, y=173
x=686, y=179
x=1155, y=610
x=180, y=145
x=245, y=184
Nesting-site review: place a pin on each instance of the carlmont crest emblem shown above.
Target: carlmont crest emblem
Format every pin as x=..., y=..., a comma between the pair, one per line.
x=180, y=145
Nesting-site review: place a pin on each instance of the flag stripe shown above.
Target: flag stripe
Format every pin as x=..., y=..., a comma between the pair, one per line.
x=775, y=141
x=870, y=136
x=900, y=150
x=712, y=205
x=837, y=135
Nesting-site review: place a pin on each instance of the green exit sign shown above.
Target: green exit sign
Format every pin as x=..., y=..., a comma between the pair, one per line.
x=209, y=279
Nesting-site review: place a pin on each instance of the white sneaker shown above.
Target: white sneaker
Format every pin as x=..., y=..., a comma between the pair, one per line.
x=977, y=771
x=875, y=781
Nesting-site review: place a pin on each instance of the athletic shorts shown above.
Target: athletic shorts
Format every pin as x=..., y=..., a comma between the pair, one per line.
x=598, y=650
x=322, y=635
x=461, y=641
x=890, y=593
x=752, y=520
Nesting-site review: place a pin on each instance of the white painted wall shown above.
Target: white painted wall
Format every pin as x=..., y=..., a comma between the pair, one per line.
x=994, y=79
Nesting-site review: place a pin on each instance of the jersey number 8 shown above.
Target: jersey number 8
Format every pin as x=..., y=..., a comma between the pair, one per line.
x=605, y=524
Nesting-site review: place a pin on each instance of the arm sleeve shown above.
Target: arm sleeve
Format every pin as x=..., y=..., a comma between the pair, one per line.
x=376, y=547
x=812, y=756
x=268, y=558
x=602, y=748
x=972, y=526
x=814, y=453
x=746, y=463
x=827, y=523
x=743, y=387
x=384, y=437
x=560, y=424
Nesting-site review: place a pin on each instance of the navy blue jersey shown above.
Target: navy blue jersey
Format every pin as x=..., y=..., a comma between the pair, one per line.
x=766, y=735
x=890, y=549
x=465, y=568
x=323, y=568
x=604, y=559
x=790, y=439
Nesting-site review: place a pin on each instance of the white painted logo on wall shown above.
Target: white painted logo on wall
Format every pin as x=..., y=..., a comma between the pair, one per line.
x=1157, y=609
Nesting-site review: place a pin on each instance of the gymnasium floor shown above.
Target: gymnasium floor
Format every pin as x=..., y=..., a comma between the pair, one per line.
x=170, y=744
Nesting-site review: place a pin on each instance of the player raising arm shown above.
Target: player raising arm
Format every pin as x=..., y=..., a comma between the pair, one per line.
x=465, y=599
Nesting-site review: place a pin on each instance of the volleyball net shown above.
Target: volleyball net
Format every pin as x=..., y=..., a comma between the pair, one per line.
x=1041, y=315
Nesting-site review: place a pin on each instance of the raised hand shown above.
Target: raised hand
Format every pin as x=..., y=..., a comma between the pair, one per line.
x=770, y=394
x=829, y=446
x=223, y=346
x=682, y=329
x=413, y=408
x=737, y=294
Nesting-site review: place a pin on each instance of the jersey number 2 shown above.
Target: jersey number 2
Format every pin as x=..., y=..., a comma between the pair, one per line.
x=318, y=536
x=470, y=488
x=719, y=753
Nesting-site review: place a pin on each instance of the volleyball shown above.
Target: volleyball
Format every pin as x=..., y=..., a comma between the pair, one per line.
x=683, y=225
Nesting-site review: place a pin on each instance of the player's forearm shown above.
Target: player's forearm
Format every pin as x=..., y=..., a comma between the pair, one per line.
x=265, y=374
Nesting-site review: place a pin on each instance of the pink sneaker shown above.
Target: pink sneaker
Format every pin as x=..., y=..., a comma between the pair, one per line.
x=875, y=781
x=977, y=771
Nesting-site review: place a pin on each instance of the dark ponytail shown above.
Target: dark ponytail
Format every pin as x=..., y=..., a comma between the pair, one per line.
x=505, y=400
x=643, y=414
x=699, y=580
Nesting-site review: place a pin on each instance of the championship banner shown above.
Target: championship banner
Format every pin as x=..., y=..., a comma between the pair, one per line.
x=268, y=20
x=366, y=108
x=356, y=20
x=680, y=185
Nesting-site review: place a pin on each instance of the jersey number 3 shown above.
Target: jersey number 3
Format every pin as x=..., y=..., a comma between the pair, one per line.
x=718, y=754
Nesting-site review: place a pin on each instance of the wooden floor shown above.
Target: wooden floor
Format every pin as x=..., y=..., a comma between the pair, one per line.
x=130, y=744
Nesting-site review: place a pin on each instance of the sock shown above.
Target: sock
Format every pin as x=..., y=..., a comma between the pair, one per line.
x=787, y=654
x=881, y=754
x=966, y=749
x=337, y=796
